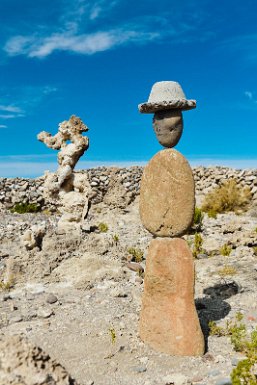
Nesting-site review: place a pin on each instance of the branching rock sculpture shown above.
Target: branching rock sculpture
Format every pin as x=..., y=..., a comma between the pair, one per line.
x=70, y=153
x=72, y=189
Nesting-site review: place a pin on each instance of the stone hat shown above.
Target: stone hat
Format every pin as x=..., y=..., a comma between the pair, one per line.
x=166, y=95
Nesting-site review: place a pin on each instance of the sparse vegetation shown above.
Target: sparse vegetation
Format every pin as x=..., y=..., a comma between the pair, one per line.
x=197, y=245
x=198, y=219
x=7, y=285
x=112, y=333
x=235, y=329
x=23, y=208
x=230, y=196
x=103, y=227
x=225, y=250
x=255, y=250
x=216, y=330
x=116, y=238
x=227, y=270
x=137, y=254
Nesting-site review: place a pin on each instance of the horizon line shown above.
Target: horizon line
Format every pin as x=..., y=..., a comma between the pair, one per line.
x=10, y=167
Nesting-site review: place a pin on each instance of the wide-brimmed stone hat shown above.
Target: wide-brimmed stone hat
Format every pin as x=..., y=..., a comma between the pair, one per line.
x=166, y=95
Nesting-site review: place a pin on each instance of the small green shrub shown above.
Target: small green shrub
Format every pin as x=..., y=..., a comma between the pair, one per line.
x=198, y=219
x=244, y=373
x=230, y=196
x=23, y=208
x=112, y=333
x=235, y=329
x=116, y=238
x=197, y=245
x=103, y=227
x=225, y=250
x=137, y=254
x=216, y=330
x=7, y=285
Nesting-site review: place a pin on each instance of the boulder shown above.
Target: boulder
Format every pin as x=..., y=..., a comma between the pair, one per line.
x=168, y=319
x=167, y=194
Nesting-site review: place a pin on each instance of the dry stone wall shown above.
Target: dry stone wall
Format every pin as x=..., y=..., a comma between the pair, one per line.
x=14, y=190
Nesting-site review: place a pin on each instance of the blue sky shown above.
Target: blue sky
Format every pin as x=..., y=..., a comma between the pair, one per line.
x=98, y=59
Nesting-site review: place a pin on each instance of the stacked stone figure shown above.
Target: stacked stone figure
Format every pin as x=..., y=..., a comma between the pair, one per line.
x=168, y=319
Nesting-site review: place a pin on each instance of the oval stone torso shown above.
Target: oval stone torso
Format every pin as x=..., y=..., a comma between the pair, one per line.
x=167, y=194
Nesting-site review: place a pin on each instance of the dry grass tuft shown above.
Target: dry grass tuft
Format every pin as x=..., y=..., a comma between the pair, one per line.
x=230, y=196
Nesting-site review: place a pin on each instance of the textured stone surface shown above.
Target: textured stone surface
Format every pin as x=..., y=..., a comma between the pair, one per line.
x=168, y=127
x=74, y=210
x=168, y=319
x=167, y=194
x=69, y=131
x=22, y=363
x=166, y=95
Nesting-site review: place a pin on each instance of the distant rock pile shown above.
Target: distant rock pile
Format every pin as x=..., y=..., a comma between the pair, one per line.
x=14, y=190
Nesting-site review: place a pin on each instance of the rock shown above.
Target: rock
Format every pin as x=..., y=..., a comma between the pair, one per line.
x=134, y=266
x=24, y=363
x=214, y=373
x=167, y=194
x=139, y=369
x=51, y=298
x=175, y=379
x=69, y=154
x=168, y=127
x=44, y=313
x=74, y=209
x=168, y=315
x=202, y=256
x=166, y=95
x=224, y=381
x=33, y=237
x=15, y=318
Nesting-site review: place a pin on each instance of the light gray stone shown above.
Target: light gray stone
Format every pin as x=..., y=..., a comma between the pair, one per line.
x=166, y=95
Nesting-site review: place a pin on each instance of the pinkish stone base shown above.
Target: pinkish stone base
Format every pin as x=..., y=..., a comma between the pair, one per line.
x=168, y=319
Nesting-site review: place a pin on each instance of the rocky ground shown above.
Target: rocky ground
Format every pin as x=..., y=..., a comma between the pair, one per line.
x=79, y=299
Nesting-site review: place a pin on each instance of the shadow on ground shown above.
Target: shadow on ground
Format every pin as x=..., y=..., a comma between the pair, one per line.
x=213, y=306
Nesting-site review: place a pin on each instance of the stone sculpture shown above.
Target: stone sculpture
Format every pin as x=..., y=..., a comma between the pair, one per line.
x=168, y=319
x=69, y=155
x=72, y=189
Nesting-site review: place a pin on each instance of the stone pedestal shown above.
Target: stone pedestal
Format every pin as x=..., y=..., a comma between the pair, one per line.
x=168, y=319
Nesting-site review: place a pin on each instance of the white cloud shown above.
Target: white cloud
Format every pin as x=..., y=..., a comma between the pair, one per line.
x=11, y=116
x=249, y=95
x=11, y=108
x=9, y=111
x=3, y=126
x=75, y=29
x=95, y=12
x=87, y=44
